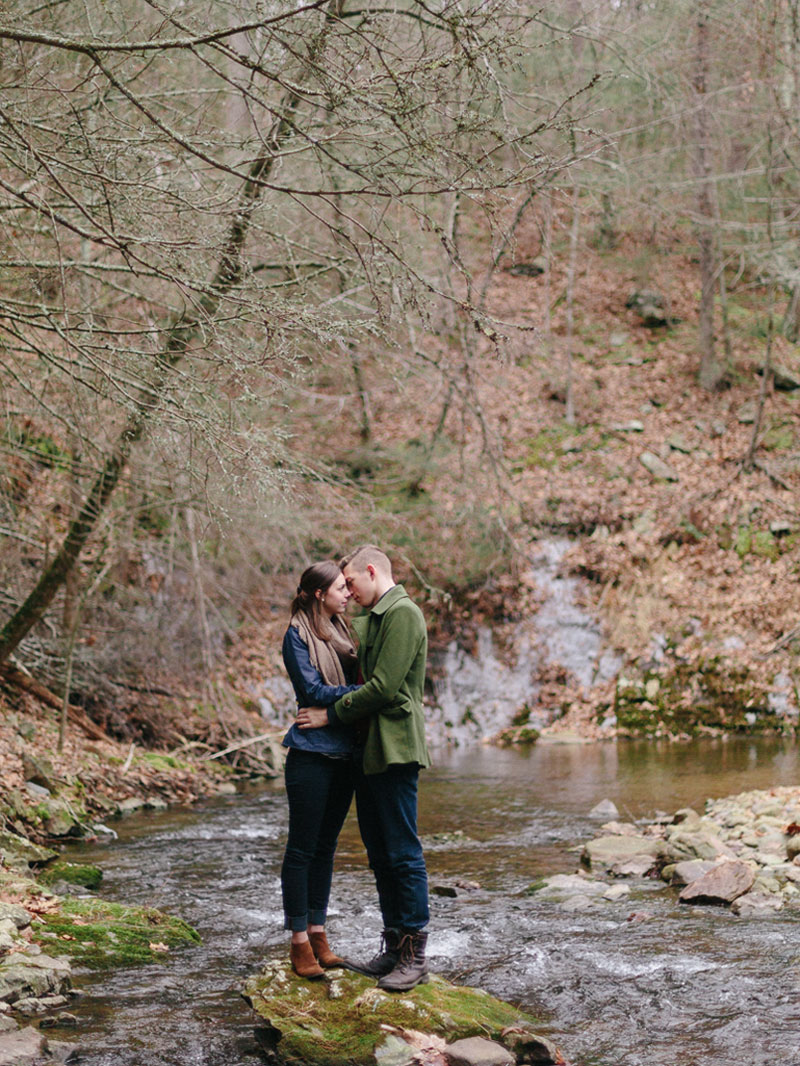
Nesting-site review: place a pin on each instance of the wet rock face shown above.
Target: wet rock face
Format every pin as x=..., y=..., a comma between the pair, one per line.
x=345, y=1020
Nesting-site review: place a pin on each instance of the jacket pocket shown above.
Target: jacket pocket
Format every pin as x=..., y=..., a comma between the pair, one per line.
x=396, y=708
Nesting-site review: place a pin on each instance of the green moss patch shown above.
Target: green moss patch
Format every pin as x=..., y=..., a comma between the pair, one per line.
x=100, y=934
x=710, y=695
x=340, y=1020
x=73, y=873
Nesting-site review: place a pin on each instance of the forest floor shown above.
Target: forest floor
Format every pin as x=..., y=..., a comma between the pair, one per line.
x=681, y=504
x=690, y=568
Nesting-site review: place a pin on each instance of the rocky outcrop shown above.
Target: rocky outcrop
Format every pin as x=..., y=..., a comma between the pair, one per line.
x=345, y=1020
x=743, y=852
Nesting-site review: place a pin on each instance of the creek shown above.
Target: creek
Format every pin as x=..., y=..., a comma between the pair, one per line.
x=639, y=982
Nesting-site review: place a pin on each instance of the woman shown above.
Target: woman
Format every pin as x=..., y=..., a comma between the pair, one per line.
x=320, y=658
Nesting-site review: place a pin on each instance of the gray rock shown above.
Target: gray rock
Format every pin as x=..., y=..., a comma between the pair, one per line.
x=577, y=904
x=687, y=817
x=24, y=1047
x=530, y=1047
x=60, y=821
x=784, y=378
x=746, y=414
x=394, y=1051
x=684, y=873
x=638, y=866
x=37, y=791
x=39, y=769
x=616, y=892
x=606, y=851
x=651, y=308
x=64, y=1020
x=677, y=442
x=780, y=528
x=634, y=426
x=657, y=467
x=131, y=804
x=61, y=1052
x=756, y=905
x=18, y=852
x=604, y=809
x=564, y=886
x=722, y=884
x=477, y=1051
x=17, y=914
x=33, y=1005
x=7, y=1025
x=700, y=843
x=27, y=975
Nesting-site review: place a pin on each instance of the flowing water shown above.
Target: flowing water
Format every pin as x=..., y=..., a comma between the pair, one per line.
x=639, y=981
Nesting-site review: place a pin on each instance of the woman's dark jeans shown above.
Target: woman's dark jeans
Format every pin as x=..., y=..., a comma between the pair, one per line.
x=319, y=789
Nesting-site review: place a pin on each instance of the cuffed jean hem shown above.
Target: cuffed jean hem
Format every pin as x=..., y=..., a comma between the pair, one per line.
x=297, y=925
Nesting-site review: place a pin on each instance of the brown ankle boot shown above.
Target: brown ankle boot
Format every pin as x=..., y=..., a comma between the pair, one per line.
x=322, y=950
x=303, y=962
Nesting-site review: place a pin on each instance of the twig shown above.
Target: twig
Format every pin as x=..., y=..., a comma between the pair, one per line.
x=127, y=764
x=241, y=744
x=759, y=465
x=781, y=642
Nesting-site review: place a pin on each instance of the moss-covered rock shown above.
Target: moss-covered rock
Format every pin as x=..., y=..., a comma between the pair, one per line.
x=100, y=934
x=19, y=853
x=340, y=1020
x=709, y=695
x=73, y=873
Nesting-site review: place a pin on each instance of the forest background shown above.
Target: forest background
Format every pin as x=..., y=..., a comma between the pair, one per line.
x=453, y=278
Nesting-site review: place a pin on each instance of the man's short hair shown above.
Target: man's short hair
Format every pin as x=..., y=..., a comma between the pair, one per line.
x=366, y=555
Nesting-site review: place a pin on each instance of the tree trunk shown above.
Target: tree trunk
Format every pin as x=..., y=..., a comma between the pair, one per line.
x=71, y=613
x=711, y=370
x=571, y=271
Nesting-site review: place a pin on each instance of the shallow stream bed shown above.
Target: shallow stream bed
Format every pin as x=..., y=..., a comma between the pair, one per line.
x=638, y=982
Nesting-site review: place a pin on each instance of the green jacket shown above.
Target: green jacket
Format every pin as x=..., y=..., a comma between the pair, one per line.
x=392, y=648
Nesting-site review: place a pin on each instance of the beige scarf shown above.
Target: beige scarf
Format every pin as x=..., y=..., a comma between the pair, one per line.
x=331, y=657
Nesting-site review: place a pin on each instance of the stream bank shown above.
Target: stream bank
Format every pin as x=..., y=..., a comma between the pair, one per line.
x=494, y=822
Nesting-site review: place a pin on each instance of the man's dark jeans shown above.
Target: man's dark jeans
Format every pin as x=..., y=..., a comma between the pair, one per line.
x=387, y=817
x=319, y=789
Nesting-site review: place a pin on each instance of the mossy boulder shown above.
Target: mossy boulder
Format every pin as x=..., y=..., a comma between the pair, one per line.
x=707, y=695
x=74, y=873
x=19, y=853
x=341, y=1019
x=100, y=934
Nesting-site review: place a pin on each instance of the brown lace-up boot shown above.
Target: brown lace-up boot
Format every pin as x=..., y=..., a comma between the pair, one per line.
x=411, y=968
x=303, y=962
x=322, y=950
x=386, y=959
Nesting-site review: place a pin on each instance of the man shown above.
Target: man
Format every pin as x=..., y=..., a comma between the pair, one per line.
x=393, y=645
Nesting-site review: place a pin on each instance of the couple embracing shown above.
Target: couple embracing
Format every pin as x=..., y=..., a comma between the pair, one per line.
x=359, y=730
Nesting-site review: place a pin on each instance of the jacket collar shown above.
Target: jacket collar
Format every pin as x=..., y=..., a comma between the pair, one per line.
x=395, y=593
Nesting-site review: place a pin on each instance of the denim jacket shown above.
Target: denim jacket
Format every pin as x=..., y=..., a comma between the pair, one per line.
x=311, y=691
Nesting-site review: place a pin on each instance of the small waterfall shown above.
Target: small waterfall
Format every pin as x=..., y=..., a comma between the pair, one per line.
x=478, y=695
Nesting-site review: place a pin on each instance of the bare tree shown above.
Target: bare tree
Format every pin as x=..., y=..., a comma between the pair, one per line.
x=195, y=201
